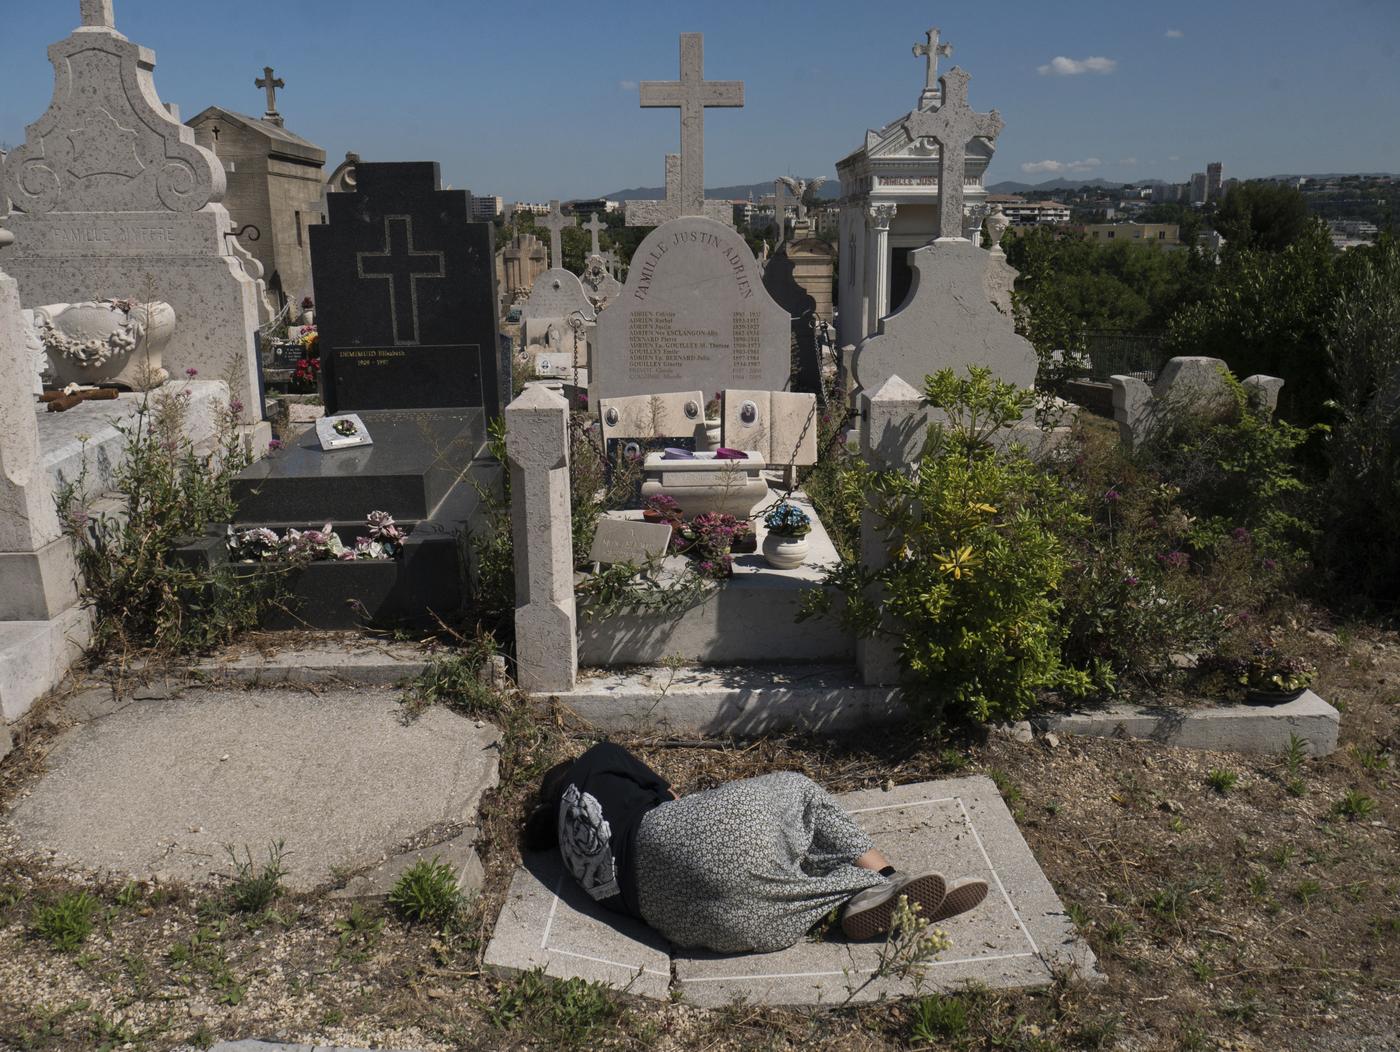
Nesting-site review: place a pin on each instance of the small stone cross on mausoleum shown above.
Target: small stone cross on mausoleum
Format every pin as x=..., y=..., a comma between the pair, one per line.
x=933, y=51
x=403, y=267
x=556, y=224
x=594, y=228
x=270, y=83
x=952, y=126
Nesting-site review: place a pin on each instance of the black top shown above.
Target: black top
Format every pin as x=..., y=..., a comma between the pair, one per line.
x=608, y=792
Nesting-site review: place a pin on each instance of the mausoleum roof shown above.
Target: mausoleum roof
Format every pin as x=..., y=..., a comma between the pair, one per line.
x=287, y=143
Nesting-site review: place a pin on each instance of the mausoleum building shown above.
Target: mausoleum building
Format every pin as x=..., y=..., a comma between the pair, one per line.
x=890, y=203
x=276, y=182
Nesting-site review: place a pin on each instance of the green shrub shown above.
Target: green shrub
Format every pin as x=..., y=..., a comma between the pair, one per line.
x=1358, y=546
x=66, y=921
x=557, y=1012
x=141, y=597
x=427, y=893
x=937, y=1017
x=968, y=592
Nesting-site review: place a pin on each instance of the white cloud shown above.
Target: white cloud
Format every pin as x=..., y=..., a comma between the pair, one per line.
x=1059, y=66
x=1056, y=167
x=627, y=85
x=1175, y=34
x=1174, y=157
x=1128, y=162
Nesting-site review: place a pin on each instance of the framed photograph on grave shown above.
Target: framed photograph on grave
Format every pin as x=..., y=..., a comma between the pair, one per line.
x=635, y=450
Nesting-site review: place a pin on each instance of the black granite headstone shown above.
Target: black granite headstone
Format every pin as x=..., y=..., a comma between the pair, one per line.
x=406, y=295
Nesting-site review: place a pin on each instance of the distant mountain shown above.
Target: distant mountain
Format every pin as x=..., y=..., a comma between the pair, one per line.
x=1012, y=187
x=829, y=191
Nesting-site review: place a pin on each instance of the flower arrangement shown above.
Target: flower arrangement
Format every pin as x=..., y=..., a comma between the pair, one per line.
x=308, y=304
x=1267, y=671
x=310, y=338
x=306, y=375
x=345, y=428
x=788, y=520
x=384, y=541
x=662, y=508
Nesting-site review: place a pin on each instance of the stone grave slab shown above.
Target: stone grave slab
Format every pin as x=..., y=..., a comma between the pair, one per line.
x=960, y=827
x=549, y=922
x=331, y=438
x=951, y=319
x=693, y=314
x=782, y=425
x=406, y=295
x=160, y=787
x=558, y=293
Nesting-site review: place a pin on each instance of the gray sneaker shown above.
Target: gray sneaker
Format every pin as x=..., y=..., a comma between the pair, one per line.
x=868, y=912
x=962, y=895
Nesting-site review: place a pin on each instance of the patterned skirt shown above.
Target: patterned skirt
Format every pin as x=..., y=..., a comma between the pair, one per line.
x=750, y=866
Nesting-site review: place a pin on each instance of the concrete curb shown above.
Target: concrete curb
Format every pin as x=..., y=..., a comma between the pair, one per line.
x=1225, y=728
x=745, y=701
x=385, y=666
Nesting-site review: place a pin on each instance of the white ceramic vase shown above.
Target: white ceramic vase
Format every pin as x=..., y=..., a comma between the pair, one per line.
x=783, y=552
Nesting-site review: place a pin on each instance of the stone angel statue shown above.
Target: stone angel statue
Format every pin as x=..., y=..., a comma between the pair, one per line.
x=801, y=189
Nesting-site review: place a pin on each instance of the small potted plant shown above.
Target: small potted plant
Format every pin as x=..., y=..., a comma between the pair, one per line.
x=308, y=311
x=1270, y=678
x=785, y=544
x=662, y=509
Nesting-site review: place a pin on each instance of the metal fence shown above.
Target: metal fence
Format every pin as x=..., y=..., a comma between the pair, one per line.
x=1113, y=352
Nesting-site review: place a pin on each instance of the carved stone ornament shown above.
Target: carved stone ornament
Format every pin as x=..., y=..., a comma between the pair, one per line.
x=105, y=342
x=105, y=144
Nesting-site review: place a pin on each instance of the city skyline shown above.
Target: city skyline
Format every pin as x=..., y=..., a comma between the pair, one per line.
x=485, y=92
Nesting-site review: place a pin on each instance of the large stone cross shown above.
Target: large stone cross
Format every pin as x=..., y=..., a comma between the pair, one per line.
x=953, y=125
x=271, y=84
x=555, y=223
x=97, y=14
x=403, y=266
x=594, y=228
x=692, y=95
x=933, y=51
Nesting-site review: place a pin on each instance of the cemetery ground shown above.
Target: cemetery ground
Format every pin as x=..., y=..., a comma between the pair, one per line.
x=1232, y=901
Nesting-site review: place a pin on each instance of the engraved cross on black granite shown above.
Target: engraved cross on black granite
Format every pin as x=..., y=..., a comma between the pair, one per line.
x=403, y=267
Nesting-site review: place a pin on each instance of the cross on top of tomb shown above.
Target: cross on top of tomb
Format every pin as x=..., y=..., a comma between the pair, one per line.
x=555, y=223
x=692, y=95
x=594, y=228
x=933, y=50
x=270, y=83
x=97, y=14
x=953, y=125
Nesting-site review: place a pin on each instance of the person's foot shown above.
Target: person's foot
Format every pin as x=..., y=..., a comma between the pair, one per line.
x=961, y=896
x=868, y=913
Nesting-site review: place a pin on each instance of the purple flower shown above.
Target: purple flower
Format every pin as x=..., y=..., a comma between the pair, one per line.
x=235, y=407
x=1269, y=564
x=1112, y=497
x=78, y=517
x=191, y=372
x=1175, y=560
x=1240, y=534
x=1130, y=581
x=274, y=445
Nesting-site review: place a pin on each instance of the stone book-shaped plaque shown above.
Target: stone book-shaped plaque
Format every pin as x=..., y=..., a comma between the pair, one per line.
x=628, y=541
x=345, y=431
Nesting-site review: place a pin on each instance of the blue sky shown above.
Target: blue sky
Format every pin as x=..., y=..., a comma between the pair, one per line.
x=536, y=99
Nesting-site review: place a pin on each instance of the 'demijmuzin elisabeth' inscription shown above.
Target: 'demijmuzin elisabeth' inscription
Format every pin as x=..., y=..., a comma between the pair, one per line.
x=694, y=314
x=405, y=295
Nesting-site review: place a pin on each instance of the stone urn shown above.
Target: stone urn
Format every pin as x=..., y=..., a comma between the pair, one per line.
x=106, y=342
x=785, y=552
x=995, y=225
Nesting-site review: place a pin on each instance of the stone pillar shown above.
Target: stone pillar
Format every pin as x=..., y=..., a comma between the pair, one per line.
x=881, y=216
x=893, y=425
x=38, y=574
x=546, y=621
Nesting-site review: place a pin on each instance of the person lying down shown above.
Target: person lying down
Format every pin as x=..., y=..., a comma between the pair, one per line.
x=747, y=867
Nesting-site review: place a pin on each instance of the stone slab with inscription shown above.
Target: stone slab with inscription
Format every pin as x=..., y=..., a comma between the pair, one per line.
x=557, y=293
x=342, y=432
x=628, y=541
x=693, y=314
x=406, y=295
x=782, y=425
